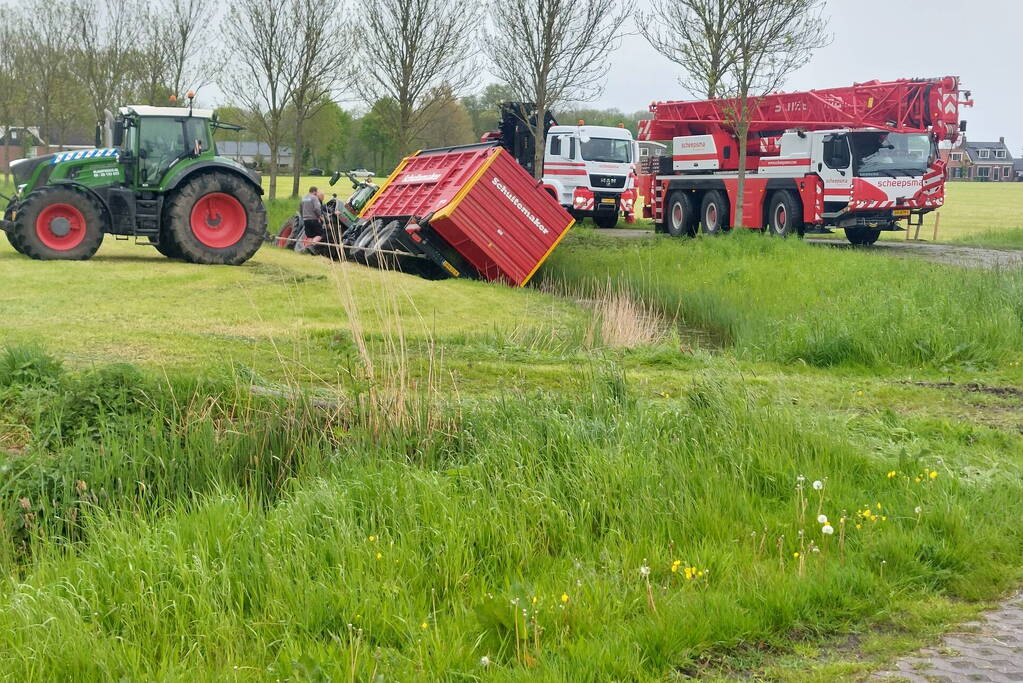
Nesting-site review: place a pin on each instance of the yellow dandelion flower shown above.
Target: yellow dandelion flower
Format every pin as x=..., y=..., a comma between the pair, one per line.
x=879, y=506
x=534, y=599
x=371, y=539
x=933, y=475
x=859, y=526
x=891, y=475
x=884, y=519
x=674, y=569
x=699, y=573
x=380, y=556
x=918, y=480
x=564, y=597
x=424, y=626
x=796, y=555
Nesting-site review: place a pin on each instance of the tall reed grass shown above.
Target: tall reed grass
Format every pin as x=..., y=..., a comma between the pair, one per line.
x=178, y=529
x=786, y=301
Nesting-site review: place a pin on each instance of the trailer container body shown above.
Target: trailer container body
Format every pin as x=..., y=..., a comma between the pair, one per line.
x=481, y=204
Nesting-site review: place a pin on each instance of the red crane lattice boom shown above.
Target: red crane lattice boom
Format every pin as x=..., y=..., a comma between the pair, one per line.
x=901, y=106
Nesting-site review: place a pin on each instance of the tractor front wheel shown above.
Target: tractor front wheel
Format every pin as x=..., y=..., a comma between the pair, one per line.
x=58, y=223
x=215, y=218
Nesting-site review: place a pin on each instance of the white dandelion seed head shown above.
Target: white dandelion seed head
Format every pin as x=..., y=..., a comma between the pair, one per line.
x=827, y=529
x=800, y=478
x=818, y=485
x=484, y=661
x=918, y=509
x=644, y=570
x=822, y=519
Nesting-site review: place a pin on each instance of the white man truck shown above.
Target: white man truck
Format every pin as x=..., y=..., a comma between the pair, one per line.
x=590, y=170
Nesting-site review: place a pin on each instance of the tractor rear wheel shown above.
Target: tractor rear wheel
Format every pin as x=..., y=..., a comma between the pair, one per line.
x=14, y=243
x=59, y=223
x=167, y=246
x=216, y=218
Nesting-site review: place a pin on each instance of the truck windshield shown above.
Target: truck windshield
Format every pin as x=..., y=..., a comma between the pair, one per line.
x=891, y=154
x=607, y=149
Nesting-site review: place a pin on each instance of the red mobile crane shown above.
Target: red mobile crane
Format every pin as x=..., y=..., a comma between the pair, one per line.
x=860, y=158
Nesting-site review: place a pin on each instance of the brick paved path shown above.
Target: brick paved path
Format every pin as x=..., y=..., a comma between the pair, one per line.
x=989, y=650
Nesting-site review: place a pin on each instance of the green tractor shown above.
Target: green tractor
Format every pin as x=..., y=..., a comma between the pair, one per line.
x=159, y=180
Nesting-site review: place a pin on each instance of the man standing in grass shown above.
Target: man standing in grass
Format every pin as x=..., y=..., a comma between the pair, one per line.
x=311, y=211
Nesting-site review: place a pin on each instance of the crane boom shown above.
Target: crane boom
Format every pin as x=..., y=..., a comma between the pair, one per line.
x=900, y=106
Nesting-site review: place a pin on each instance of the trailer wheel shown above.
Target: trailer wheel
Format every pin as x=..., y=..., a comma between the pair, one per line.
x=216, y=218
x=862, y=236
x=681, y=220
x=785, y=216
x=58, y=223
x=363, y=241
x=714, y=213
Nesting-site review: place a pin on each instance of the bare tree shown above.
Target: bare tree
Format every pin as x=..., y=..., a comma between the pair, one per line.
x=551, y=52
x=697, y=35
x=107, y=35
x=261, y=75
x=410, y=48
x=773, y=39
x=44, y=63
x=10, y=83
x=323, y=48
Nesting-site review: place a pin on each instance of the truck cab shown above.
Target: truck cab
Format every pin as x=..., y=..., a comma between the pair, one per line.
x=590, y=170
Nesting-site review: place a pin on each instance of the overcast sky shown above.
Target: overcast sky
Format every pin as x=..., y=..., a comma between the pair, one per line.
x=979, y=40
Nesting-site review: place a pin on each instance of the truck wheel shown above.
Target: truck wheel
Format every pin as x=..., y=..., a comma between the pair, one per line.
x=59, y=223
x=714, y=213
x=785, y=215
x=216, y=218
x=681, y=220
x=605, y=220
x=363, y=241
x=862, y=236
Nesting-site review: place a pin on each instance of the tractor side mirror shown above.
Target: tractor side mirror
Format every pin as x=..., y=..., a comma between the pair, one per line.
x=143, y=154
x=335, y=177
x=99, y=136
x=117, y=138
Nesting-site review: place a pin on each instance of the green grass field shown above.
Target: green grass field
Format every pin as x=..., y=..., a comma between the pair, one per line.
x=303, y=470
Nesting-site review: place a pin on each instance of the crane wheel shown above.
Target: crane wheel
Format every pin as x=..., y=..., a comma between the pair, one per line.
x=59, y=223
x=862, y=237
x=714, y=213
x=216, y=218
x=785, y=214
x=681, y=220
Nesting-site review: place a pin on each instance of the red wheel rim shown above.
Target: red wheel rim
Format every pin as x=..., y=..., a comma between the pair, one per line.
x=218, y=220
x=60, y=227
x=676, y=215
x=712, y=216
x=782, y=218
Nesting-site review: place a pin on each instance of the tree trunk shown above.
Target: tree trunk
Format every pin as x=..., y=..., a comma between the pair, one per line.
x=299, y=150
x=741, y=130
x=540, y=143
x=274, y=135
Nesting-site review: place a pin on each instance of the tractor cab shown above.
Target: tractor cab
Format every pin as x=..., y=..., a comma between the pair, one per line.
x=153, y=140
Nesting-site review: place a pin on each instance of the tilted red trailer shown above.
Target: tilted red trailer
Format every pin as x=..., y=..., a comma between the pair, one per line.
x=471, y=210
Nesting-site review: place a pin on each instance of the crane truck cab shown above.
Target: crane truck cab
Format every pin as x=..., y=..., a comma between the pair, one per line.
x=590, y=170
